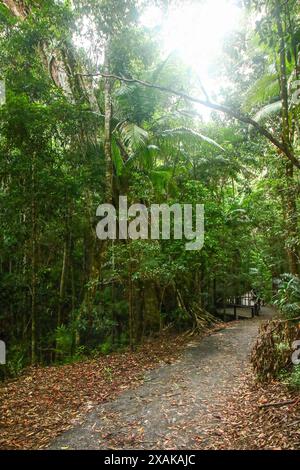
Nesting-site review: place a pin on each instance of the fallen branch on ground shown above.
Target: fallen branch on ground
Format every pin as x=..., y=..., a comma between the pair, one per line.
x=277, y=404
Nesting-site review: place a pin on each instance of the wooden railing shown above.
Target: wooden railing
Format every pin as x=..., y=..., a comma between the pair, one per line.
x=235, y=303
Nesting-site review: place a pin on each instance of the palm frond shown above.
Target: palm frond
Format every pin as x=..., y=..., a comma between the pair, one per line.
x=163, y=181
x=133, y=136
x=117, y=158
x=183, y=132
x=262, y=91
x=268, y=111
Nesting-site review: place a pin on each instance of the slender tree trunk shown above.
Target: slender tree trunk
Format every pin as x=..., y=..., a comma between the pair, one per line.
x=73, y=303
x=130, y=312
x=130, y=303
x=291, y=215
x=62, y=283
x=33, y=261
x=291, y=218
x=107, y=129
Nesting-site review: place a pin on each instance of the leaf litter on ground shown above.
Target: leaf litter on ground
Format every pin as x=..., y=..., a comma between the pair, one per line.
x=45, y=401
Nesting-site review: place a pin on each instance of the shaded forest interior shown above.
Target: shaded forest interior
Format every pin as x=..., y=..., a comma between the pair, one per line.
x=94, y=109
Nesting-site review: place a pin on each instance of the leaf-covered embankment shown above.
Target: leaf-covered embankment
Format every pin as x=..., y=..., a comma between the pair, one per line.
x=43, y=402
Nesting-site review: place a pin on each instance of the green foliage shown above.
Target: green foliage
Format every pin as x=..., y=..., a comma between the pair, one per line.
x=268, y=111
x=263, y=90
x=16, y=361
x=64, y=338
x=63, y=293
x=288, y=296
x=292, y=378
x=107, y=346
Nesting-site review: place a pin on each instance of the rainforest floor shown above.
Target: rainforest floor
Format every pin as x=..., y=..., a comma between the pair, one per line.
x=175, y=392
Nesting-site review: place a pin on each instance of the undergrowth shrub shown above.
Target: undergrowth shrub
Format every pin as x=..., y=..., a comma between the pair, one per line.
x=287, y=299
x=272, y=352
x=15, y=362
x=291, y=377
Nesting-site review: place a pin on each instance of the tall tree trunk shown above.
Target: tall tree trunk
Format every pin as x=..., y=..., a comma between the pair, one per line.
x=62, y=283
x=291, y=215
x=291, y=219
x=130, y=302
x=33, y=260
x=107, y=129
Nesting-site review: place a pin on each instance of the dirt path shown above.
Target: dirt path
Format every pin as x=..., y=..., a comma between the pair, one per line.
x=177, y=404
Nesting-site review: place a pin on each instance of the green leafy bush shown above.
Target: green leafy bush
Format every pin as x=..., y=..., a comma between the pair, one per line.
x=288, y=296
x=106, y=347
x=64, y=341
x=16, y=361
x=292, y=378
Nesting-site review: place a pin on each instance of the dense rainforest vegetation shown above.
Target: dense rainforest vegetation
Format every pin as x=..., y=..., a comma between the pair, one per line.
x=96, y=109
